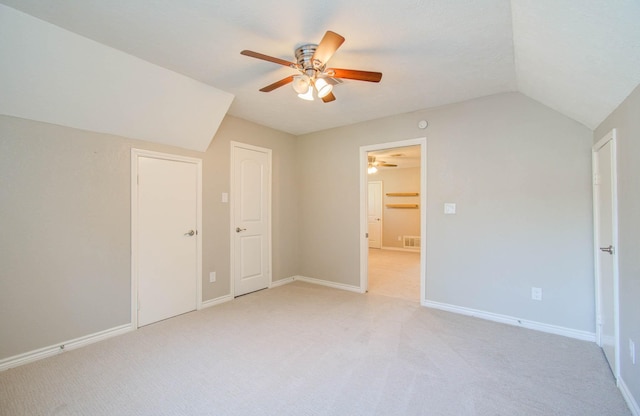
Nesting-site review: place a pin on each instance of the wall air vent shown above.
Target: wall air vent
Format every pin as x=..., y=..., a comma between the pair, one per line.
x=411, y=242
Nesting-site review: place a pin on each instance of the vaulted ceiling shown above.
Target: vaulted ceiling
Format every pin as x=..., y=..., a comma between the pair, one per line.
x=579, y=57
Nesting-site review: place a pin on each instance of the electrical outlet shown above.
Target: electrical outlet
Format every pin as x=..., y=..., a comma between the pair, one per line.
x=536, y=293
x=212, y=277
x=632, y=351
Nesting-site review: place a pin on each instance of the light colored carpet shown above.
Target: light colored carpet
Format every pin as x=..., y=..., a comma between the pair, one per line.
x=302, y=349
x=394, y=273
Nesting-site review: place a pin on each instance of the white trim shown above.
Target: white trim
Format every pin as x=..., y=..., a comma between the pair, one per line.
x=282, y=282
x=510, y=320
x=135, y=155
x=215, y=301
x=609, y=137
x=328, y=283
x=233, y=145
x=628, y=397
x=61, y=347
x=407, y=250
x=364, y=246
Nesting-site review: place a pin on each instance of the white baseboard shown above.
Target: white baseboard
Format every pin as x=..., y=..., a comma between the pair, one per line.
x=628, y=397
x=281, y=282
x=215, y=301
x=328, y=283
x=510, y=320
x=410, y=250
x=52, y=350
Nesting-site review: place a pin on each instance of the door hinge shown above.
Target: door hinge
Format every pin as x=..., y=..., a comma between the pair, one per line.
x=366, y=235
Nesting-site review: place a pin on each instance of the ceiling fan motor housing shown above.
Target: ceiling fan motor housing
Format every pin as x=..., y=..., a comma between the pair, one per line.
x=304, y=56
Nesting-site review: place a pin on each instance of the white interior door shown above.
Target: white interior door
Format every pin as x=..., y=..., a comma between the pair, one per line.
x=167, y=238
x=251, y=212
x=374, y=214
x=605, y=241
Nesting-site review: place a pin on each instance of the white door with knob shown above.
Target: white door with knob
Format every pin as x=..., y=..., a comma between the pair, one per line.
x=250, y=218
x=165, y=235
x=606, y=258
x=374, y=214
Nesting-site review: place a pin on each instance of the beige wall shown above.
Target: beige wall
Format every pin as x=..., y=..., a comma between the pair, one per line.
x=520, y=175
x=398, y=222
x=626, y=120
x=519, y=172
x=65, y=242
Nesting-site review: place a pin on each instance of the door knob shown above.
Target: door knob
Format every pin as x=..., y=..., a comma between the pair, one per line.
x=607, y=249
x=190, y=233
x=238, y=229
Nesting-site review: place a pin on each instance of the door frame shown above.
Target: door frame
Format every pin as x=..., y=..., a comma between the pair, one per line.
x=135, y=155
x=232, y=232
x=609, y=137
x=381, y=222
x=364, y=245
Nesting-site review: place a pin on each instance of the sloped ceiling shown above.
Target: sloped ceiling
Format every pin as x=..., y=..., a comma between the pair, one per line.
x=579, y=57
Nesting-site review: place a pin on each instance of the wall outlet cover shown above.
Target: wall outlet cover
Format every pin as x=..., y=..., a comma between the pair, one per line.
x=449, y=208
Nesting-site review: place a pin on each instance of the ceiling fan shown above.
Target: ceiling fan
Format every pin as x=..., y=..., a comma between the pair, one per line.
x=374, y=164
x=313, y=72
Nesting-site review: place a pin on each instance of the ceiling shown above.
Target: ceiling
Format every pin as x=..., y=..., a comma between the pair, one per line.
x=403, y=157
x=579, y=57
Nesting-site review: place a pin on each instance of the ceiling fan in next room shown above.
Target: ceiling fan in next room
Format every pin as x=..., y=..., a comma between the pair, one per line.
x=374, y=164
x=313, y=72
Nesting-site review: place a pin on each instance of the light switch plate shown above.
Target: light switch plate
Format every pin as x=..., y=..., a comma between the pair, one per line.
x=225, y=197
x=449, y=208
x=536, y=293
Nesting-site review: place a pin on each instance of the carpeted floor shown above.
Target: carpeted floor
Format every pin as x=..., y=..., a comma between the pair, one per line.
x=394, y=273
x=302, y=349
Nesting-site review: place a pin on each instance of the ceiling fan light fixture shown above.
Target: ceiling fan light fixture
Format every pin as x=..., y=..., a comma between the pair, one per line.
x=371, y=169
x=307, y=95
x=301, y=84
x=323, y=87
x=311, y=64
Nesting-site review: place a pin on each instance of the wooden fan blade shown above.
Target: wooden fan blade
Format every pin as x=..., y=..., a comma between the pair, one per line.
x=268, y=58
x=357, y=75
x=329, y=44
x=328, y=98
x=283, y=81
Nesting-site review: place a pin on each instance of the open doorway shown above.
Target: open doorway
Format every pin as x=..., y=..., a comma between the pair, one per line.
x=393, y=197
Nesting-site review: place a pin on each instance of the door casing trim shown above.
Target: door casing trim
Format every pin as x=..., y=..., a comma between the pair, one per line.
x=364, y=246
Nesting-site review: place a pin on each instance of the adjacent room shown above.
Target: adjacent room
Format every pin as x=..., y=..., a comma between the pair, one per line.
x=319, y=208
